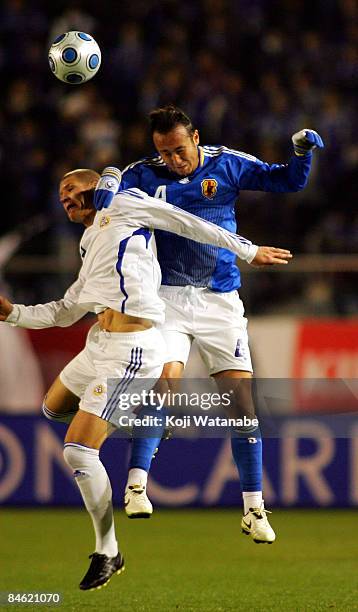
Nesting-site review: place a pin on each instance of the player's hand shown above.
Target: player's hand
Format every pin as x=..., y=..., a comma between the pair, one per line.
x=268, y=256
x=305, y=141
x=107, y=187
x=5, y=308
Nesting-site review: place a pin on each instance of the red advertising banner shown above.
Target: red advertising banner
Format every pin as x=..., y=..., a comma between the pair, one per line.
x=56, y=346
x=326, y=349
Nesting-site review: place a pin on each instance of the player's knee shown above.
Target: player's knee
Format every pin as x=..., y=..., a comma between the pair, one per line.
x=49, y=414
x=58, y=417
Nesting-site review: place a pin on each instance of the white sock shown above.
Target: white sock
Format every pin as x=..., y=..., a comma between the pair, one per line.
x=137, y=476
x=252, y=499
x=95, y=487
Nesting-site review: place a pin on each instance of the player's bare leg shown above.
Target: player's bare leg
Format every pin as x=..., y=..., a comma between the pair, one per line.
x=242, y=404
x=60, y=404
x=247, y=452
x=173, y=370
x=136, y=501
x=83, y=442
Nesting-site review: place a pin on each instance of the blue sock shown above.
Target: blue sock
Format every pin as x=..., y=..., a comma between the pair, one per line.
x=247, y=455
x=146, y=439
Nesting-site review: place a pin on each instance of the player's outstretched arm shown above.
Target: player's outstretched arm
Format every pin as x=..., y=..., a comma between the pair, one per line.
x=5, y=308
x=254, y=174
x=158, y=214
x=268, y=256
x=60, y=313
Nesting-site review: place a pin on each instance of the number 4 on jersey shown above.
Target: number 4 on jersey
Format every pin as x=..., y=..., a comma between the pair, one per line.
x=161, y=193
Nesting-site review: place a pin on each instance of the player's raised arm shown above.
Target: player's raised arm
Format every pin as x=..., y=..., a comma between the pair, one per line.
x=253, y=174
x=60, y=313
x=157, y=214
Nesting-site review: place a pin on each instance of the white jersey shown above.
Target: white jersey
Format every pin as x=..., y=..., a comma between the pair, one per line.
x=119, y=269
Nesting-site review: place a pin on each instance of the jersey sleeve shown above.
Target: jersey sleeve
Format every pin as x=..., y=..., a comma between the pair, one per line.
x=61, y=313
x=157, y=214
x=250, y=173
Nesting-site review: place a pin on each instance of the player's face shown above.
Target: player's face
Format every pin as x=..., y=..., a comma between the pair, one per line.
x=77, y=200
x=178, y=149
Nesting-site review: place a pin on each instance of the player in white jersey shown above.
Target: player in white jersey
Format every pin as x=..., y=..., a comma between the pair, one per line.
x=119, y=281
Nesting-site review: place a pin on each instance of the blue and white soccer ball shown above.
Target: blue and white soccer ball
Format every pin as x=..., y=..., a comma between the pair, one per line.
x=74, y=57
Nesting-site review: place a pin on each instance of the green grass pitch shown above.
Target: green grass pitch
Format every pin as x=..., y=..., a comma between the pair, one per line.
x=187, y=560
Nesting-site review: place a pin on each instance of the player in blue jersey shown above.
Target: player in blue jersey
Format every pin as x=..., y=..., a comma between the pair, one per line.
x=200, y=282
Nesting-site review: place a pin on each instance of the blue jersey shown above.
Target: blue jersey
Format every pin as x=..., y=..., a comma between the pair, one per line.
x=210, y=192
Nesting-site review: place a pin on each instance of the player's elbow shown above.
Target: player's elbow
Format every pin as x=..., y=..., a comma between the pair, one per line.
x=70, y=315
x=66, y=320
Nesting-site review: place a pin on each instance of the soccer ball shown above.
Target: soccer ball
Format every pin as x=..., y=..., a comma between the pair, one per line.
x=74, y=57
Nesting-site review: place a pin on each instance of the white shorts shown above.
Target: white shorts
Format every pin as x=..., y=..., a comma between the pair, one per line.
x=214, y=320
x=135, y=361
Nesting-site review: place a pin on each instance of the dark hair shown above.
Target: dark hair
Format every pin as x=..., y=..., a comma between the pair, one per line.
x=163, y=120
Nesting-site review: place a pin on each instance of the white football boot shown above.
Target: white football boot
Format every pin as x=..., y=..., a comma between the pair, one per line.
x=136, y=502
x=255, y=524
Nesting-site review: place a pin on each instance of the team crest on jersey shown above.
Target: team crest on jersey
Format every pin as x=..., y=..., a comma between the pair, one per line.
x=209, y=188
x=104, y=221
x=98, y=390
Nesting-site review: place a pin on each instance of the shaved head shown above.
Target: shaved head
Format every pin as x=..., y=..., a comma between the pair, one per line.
x=86, y=175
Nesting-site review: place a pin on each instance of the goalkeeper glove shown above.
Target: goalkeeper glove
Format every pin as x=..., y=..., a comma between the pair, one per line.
x=107, y=187
x=305, y=141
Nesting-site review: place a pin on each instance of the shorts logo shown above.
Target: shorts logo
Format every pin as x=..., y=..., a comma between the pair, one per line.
x=98, y=390
x=104, y=221
x=209, y=188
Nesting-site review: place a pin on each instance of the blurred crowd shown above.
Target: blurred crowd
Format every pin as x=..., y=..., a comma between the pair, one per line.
x=249, y=72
